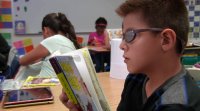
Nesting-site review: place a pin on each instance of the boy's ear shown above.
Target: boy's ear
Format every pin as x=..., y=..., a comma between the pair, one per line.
x=168, y=39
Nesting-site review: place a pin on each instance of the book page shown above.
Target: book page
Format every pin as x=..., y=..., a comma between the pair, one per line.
x=89, y=70
x=40, y=82
x=92, y=72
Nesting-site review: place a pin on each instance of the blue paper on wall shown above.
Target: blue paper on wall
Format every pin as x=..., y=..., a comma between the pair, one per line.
x=7, y=25
x=5, y=11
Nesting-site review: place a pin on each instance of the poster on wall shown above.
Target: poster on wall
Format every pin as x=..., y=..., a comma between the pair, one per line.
x=5, y=14
x=193, y=7
x=20, y=27
x=23, y=46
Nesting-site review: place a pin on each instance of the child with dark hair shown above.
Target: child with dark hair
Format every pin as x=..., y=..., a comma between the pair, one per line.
x=59, y=35
x=155, y=33
x=100, y=39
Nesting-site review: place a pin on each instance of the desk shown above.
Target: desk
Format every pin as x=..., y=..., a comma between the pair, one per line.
x=99, y=55
x=97, y=49
x=111, y=87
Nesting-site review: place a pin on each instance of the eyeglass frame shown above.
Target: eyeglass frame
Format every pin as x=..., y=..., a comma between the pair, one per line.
x=134, y=33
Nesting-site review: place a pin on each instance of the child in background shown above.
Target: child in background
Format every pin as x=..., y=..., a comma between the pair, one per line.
x=59, y=35
x=100, y=39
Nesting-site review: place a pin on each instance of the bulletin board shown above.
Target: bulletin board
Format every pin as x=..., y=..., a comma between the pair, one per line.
x=28, y=14
x=6, y=24
x=5, y=14
x=193, y=7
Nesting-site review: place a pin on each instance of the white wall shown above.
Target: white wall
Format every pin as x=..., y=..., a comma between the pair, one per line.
x=81, y=13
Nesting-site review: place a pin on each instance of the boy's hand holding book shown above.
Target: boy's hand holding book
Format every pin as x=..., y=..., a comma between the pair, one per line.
x=65, y=100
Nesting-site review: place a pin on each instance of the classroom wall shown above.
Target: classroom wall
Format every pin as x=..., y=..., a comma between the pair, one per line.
x=38, y=38
x=35, y=38
x=67, y=7
x=81, y=13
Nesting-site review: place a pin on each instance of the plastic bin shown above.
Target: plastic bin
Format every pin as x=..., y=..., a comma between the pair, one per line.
x=190, y=60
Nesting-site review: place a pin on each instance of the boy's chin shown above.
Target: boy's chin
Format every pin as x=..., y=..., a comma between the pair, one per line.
x=134, y=71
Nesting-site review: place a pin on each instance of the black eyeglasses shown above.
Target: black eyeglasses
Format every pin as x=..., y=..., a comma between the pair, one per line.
x=130, y=35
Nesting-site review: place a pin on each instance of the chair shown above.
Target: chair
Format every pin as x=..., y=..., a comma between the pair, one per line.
x=80, y=40
x=13, y=64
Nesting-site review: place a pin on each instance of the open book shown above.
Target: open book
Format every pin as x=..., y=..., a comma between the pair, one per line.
x=77, y=75
x=40, y=82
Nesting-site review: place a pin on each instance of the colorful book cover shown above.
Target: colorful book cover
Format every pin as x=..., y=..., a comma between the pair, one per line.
x=63, y=80
x=76, y=83
x=76, y=75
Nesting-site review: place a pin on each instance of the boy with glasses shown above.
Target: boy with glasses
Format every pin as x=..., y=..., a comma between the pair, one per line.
x=154, y=37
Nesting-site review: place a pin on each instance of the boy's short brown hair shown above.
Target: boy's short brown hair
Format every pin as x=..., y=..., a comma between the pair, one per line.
x=161, y=14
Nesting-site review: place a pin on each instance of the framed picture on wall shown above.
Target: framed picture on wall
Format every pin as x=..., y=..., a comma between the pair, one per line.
x=20, y=27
